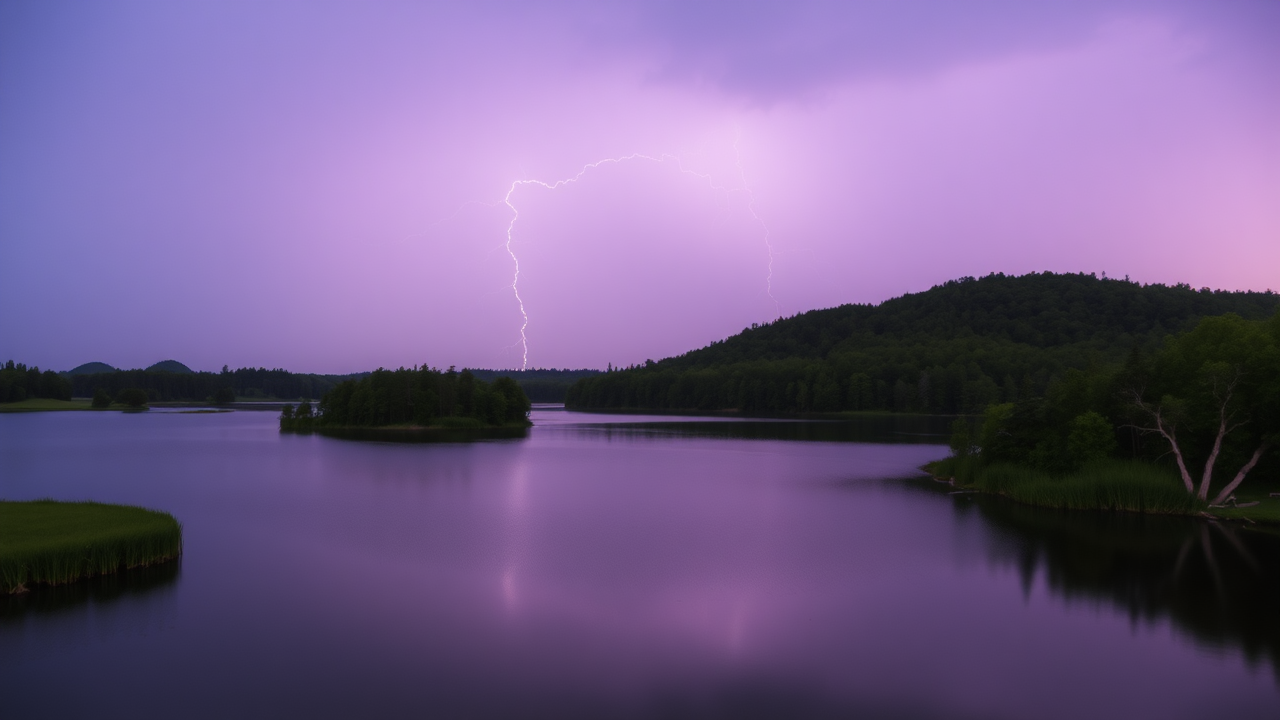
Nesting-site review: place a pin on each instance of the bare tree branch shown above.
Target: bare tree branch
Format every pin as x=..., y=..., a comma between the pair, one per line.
x=1169, y=431
x=1239, y=478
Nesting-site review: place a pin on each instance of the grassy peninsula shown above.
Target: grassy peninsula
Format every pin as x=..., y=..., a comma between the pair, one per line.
x=49, y=542
x=406, y=403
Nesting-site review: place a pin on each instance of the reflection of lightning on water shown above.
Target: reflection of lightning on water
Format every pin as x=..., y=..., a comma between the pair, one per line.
x=515, y=215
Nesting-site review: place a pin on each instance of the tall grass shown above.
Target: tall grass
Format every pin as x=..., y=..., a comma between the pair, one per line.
x=1102, y=485
x=50, y=542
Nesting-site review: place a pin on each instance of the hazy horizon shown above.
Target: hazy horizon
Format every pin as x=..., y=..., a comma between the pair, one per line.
x=328, y=187
x=217, y=368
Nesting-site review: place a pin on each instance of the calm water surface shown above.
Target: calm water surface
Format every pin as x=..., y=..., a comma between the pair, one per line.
x=613, y=566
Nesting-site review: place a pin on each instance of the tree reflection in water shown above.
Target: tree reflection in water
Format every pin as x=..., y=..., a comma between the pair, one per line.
x=1217, y=582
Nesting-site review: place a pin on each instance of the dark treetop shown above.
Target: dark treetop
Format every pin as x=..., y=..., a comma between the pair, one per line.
x=421, y=397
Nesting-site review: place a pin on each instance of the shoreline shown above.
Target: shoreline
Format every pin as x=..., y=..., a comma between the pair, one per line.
x=1259, y=507
x=49, y=542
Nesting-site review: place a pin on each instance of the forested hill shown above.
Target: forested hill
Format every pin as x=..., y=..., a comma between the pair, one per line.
x=954, y=348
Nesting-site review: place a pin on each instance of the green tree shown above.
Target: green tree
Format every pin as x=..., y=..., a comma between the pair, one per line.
x=1092, y=438
x=132, y=397
x=1212, y=393
x=101, y=398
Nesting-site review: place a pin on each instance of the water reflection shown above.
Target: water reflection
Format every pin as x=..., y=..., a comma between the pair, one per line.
x=664, y=574
x=425, y=435
x=871, y=429
x=1217, y=582
x=100, y=591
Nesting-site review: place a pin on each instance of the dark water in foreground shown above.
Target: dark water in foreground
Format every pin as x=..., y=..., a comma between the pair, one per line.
x=632, y=569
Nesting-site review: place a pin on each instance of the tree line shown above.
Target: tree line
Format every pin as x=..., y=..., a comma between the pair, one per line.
x=1206, y=405
x=541, y=385
x=955, y=348
x=420, y=396
x=253, y=383
x=19, y=382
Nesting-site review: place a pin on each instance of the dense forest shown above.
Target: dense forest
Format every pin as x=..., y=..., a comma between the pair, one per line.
x=19, y=382
x=166, y=385
x=1205, y=406
x=169, y=380
x=540, y=385
x=955, y=348
x=420, y=397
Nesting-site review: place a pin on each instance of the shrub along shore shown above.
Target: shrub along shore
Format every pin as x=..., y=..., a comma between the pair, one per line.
x=50, y=542
x=1124, y=485
x=1109, y=485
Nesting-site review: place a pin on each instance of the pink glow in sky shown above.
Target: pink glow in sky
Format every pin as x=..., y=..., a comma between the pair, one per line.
x=320, y=185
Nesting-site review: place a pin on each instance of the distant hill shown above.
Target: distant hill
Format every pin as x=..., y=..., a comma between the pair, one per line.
x=172, y=366
x=90, y=368
x=953, y=348
x=171, y=380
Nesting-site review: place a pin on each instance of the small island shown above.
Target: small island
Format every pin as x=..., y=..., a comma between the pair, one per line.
x=421, y=403
x=45, y=542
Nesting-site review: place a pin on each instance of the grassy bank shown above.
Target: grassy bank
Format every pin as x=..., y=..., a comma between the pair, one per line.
x=46, y=404
x=48, y=542
x=1123, y=485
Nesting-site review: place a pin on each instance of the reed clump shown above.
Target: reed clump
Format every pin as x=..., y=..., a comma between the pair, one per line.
x=50, y=542
x=1100, y=485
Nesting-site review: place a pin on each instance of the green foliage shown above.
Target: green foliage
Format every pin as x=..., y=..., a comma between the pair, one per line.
x=224, y=396
x=168, y=384
x=994, y=440
x=1217, y=390
x=419, y=397
x=962, y=438
x=1091, y=438
x=1100, y=485
x=540, y=385
x=101, y=398
x=58, y=542
x=954, y=349
x=1203, y=406
x=133, y=397
x=19, y=382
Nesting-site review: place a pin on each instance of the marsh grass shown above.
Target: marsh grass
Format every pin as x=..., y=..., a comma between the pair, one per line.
x=1102, y=485
x=49, y=542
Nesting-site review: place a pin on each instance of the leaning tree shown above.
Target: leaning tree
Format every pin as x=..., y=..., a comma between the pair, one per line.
x=1213, y=393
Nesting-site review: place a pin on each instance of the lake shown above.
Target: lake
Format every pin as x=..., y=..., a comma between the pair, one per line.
x=618, y=566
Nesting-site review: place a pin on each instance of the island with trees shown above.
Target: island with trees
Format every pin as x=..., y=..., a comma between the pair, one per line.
x=417, y=403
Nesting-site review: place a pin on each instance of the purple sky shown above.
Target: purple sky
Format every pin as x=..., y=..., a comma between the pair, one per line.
x=320, y=185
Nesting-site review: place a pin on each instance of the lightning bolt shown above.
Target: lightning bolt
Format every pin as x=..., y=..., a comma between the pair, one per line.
x=751, y=206
x=664, y=157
